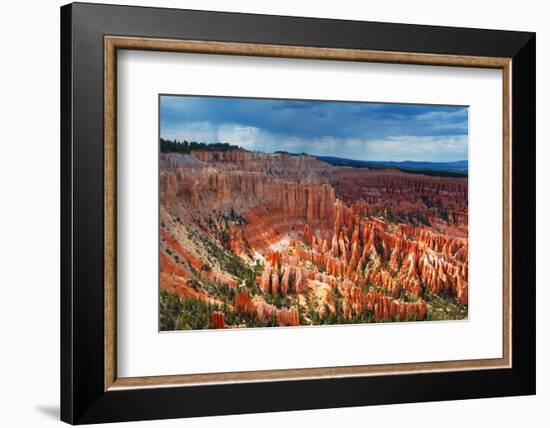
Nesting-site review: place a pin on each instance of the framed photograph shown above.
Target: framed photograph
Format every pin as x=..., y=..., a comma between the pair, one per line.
x=265, y=213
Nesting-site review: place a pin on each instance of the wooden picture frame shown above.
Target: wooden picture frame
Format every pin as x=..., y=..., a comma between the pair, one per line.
x=91, y=390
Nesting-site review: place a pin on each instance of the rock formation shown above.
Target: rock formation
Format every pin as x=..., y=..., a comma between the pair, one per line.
x=323, y=242
x=217, y=319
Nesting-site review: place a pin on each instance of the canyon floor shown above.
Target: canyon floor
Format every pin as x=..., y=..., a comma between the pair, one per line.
x=250, y=239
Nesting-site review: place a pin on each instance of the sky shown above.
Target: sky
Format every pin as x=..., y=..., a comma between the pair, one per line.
x=352, y=130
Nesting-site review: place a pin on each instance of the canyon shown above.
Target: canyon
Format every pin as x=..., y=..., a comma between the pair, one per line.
x=252, y=239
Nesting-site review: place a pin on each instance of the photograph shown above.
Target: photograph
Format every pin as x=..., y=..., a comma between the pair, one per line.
x=260, y=210
x=278, y=212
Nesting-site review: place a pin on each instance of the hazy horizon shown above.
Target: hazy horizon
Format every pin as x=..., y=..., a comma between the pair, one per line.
x=365, y=131
x=320, y=156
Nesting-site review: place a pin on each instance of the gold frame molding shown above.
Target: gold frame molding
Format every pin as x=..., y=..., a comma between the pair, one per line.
x=113, y=43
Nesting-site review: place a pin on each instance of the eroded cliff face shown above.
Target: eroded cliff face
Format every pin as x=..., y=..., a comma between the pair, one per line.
x=299, y=169
x=275, y=239
x=219, y=186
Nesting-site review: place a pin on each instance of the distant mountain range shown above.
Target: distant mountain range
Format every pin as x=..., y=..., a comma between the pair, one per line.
x=452, y=169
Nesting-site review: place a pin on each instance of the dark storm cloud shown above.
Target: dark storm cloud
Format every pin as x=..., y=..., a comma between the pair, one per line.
x=359, y=129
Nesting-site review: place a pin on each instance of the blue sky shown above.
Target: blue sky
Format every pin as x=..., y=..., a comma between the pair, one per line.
x=366, y=131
